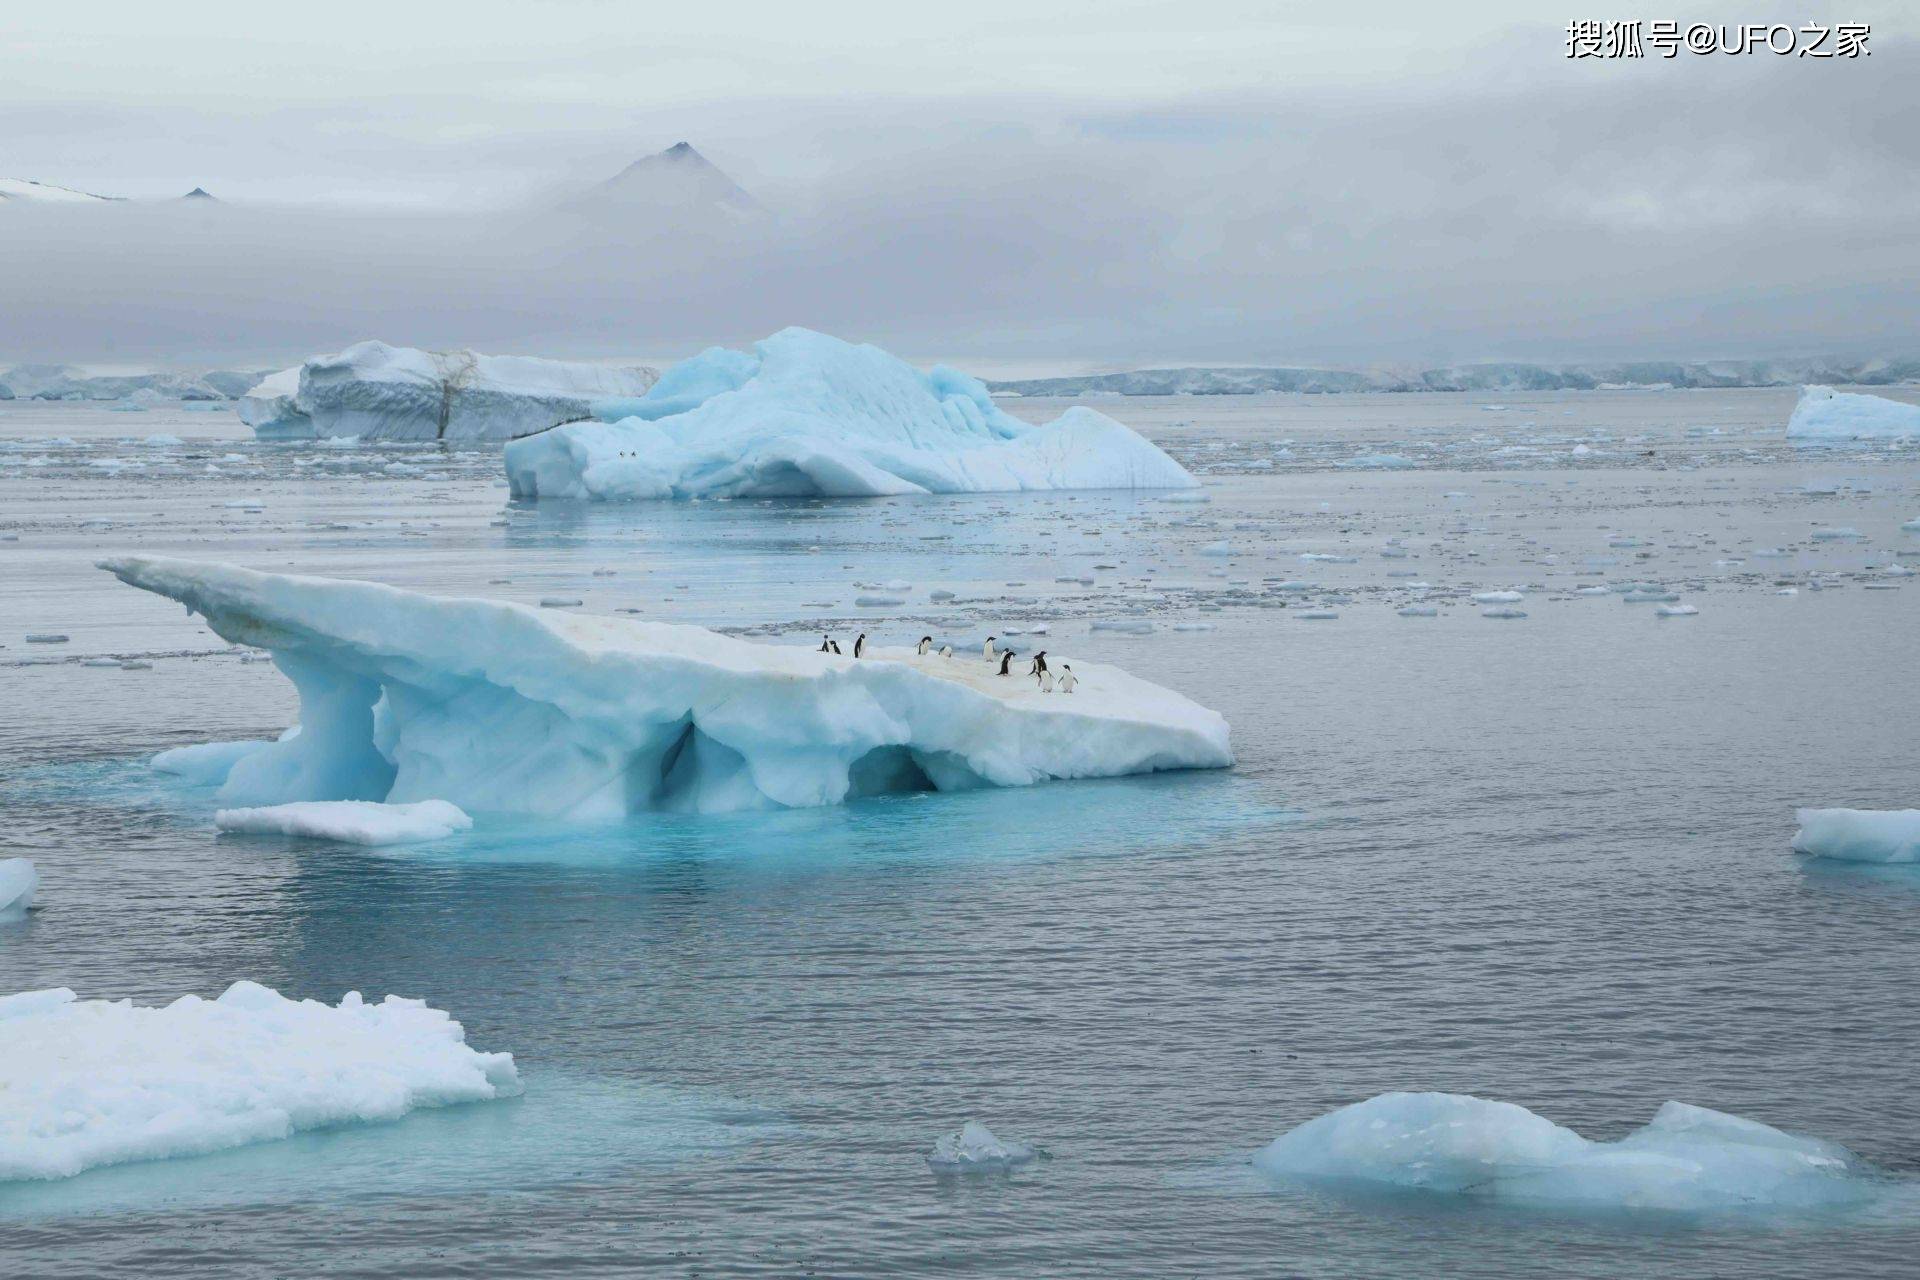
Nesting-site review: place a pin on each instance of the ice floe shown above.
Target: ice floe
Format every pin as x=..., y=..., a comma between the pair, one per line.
x=101, y=1082
x=973, y=1148
x=804, y=414
x=1859, y=835
x=496, y=707
x=349, y=821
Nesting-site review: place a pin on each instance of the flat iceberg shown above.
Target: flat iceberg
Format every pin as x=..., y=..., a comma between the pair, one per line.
x=1859, y=835
x=377, y=392
x=101, y=1082
x=18, y=883
x=501, y=708
x=974, y=1149
x=1826, y=414
x=1686, y=1159
x=806, y=415
x=349, y=821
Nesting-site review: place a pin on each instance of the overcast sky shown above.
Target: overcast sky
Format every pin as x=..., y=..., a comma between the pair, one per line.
x=1022, y=184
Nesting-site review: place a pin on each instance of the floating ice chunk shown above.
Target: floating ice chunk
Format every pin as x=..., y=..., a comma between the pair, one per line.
x=561, y=602
x=1124, y=626
x=1191, y=497
x=18, y=881
x=1675, y=611
x=162, y=441
x=1839, y=534
x=1910, y=526
x=1378, y=462
x=45, y=637
x=806, y=415
x=497, y=707
x=878, y=602
x=1499, y=597
x=1503, y=611
x=1316, y=615
x=1193, y=626
x=1859, y=835
x=1418, y=611
x=349, y=821
x=206, y=764
x=1221, y=548
x=939, y=597
x=1826, y=414
x=974, y=1149
x=1687, y=1159
x=102, y=1082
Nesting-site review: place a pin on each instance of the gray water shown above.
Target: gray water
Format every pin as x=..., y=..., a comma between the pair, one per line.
x=1543, y=860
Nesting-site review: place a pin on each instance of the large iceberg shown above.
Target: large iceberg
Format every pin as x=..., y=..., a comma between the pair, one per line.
x=806, y=415
x=1826, y=414
x=498, y=707
x=1859, y=835
x=377, y=392
x=1686, y=1158
x=99, y=1082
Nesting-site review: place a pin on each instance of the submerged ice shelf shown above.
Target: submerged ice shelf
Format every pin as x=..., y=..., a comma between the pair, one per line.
x=499, y=708
x=101, y=1082
x=806, y=415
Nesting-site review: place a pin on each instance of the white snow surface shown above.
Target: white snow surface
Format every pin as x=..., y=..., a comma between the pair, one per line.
x=1685, y=1159
x=974, y=1149
x=1859, y=835
x=100, y=1082
x=378, y=392
x=26, y=189
x=18, y=882
x=1826, y=414
x=807, y=415
x=349, y=821
x=497, y=707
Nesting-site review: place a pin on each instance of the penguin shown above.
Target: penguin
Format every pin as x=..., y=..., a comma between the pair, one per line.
x=946, y=651
x=826, y=644
x=1039, y=667
x=1005, y=658
x=926, y=643
x=1046, y=682
x=988, y=651
x=835, y=644
x=1067, y=680
x=860, y=645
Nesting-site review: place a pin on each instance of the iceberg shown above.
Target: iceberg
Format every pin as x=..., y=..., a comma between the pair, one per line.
x=101, y=1082
x=378, y=392
x=1826, y=414
x=974, y=1149
x=806, y=415
x=349, y=821
x=18, y=882
x=502, y=708
x=1859, y=835
x=1686, y=1159
x=206, y=764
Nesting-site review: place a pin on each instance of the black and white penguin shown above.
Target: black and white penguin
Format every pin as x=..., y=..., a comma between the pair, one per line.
x=926, y=643
x=860, y=645
x=988, y=651
x=946, y=651
x=826, y=644
x=1039, y=667
x=1046, y=682
x=835, y=644
x=1005, y=658
x=1067, y=680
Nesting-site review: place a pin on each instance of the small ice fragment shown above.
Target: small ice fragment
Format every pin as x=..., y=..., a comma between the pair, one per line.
x=45, y=637
x=1221, y=548
x=1859, y=835
x=18, y=881
x=1503, y=612
x=351, y=821
x=879, y=602
x=974, y=1149
x=1675, y=611
x=1498, y=597
x=1316, y=615
x=1124, y=626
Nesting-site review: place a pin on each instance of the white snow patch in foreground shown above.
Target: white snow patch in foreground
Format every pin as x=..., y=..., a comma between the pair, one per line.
x=18, y=881
x=99, y=1082
x=1859, y=835
x=1826, y=414
x=807, y=415
x=974, y=1149
x=349, y=821
x=1686, y=1159
x=497, y=707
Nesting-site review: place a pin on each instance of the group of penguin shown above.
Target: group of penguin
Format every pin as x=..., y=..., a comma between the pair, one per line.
x=1038, y=669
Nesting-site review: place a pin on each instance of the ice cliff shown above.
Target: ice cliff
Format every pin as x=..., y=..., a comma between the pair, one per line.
x=498, y=707
x=805, y=415
x=378, y=392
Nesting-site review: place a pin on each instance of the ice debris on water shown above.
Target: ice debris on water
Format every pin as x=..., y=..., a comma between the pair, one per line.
x=18, y=881
x=1859, y=835
x=973, y=1148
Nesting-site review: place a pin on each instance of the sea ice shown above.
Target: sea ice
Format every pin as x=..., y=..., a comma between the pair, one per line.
x=1826, y=414
x=1859, y=835
x=18, y=881
x=1378, y=462
x=1686, y=1159
x=498, y=707
x=806, y=415
x=1498, y=597
x=100, y=1082
x=974, y=1149
x=349, y=821
x=377, y=392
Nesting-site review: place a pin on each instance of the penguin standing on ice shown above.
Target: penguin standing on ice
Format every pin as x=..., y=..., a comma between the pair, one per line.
x=826, y=644
x=988, y=651
x=1005, y=658
x=1039, y=667
x=946, y=651
x=926, y=643
x=860, y=645
x=1046, y=682
x=835, y=644
x=1067, y=680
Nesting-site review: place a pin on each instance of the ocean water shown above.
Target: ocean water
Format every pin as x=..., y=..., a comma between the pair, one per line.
x=1540, y=859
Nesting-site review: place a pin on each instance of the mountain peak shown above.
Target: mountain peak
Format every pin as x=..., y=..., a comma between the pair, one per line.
x=677, y=179
x=198, y=193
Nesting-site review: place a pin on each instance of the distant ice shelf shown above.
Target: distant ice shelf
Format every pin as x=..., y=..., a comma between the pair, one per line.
x=501, y=708
x=806, y=415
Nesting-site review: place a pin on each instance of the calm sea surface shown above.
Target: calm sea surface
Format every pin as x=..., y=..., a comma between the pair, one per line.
x=1541, y=859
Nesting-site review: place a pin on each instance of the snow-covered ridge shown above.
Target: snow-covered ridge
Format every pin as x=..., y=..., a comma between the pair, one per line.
x=804, y=415
x=380, y=392
x=27, y=191
x=497, y=707
x=100, y=1082
x=1826, y=414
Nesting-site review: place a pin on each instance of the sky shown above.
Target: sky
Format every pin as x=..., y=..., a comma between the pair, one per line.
x=1026, y=187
